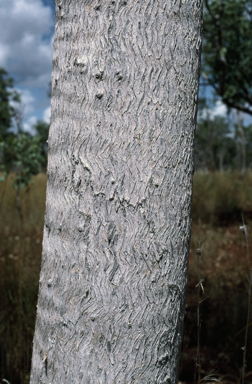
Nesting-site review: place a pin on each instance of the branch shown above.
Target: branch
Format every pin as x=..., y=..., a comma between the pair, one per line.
x=230, y=104
x=239, y=107
x=204, y=84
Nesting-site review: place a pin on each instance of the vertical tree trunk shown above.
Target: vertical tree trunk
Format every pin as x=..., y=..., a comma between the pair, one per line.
x=19, y=207
x=211, y=163
x=243, y=141
x=221, y=155
x=117, y=224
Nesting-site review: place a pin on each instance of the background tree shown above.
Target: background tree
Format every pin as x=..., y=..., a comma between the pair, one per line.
x=227, y=54
x=20, y=152
x=240, y=120
x=243, y=143
x=22, y=155
x=214, y=144
x=18, y=115
x=7, y=96
x=248, y=140
x=42, y=129
x=120, y=168
x=227, y=58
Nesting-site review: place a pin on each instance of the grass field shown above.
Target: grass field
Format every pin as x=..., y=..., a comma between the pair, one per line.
x=218, y=200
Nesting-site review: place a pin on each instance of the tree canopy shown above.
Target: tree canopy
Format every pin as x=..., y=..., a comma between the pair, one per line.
x=227, y=53
x=7, y=95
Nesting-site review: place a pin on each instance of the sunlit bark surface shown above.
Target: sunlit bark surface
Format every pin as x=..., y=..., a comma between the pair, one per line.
x=117, y=224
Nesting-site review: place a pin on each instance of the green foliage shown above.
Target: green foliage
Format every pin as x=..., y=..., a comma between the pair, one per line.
x=27, y=159
x=22, y=154
x=42, y=130
x=7, y=94
x=227, y=54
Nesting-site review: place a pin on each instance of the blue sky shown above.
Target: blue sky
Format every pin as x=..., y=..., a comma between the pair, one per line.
x=27, y=30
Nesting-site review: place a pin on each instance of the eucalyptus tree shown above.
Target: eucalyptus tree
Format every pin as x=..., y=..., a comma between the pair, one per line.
x=214, y=144
x=120, y=168
x=19, y=153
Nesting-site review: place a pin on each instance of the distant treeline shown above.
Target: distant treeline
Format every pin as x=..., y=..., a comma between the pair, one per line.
x=221, y=145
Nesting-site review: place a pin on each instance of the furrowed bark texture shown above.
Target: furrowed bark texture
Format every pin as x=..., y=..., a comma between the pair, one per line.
x=117, y=224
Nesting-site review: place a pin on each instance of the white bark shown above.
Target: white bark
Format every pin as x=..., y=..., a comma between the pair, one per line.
x=117, y=224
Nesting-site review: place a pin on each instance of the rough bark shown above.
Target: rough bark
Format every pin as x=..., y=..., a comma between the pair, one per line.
x=117, y=224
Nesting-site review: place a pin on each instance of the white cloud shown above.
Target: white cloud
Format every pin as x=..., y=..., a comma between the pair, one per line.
x=4, y=53
x=27, y=101
x=25, y=52
x=19, y=17
x=27, y=109
x=47, y=115
x=219, y=109
x=29, y=123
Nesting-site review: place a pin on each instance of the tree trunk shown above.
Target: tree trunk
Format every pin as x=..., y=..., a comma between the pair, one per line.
x=221, y=156
x=19, y=208
x=120, y=169
x=243, y=141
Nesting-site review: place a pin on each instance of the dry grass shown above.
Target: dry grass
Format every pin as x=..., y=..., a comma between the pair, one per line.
x=224, y=270
x=219, y=198
x=20, y=254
